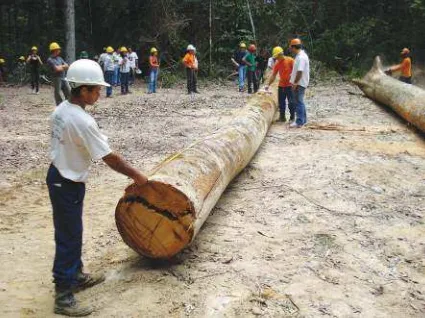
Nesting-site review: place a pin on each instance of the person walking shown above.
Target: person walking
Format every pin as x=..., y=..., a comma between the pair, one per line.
x=405, y=67
x=250, y=61
x=101, y=59
x=154, y=70
x=76, y=141
x=191, y=63
x=34, y=62
x=124, y=70
x=238, y=61
x=58, y=67
x=284, y=65
x=300, y=78
x=134, y=65
x=108, y=68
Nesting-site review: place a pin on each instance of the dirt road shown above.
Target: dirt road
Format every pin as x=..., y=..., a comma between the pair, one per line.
x=327, y=220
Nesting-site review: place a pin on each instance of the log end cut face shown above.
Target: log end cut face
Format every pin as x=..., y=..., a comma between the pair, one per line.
x=156, y=220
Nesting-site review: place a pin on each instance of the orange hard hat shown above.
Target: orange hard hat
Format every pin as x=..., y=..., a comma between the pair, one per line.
x=405, y=51
x=252, y=48
x=296, y=42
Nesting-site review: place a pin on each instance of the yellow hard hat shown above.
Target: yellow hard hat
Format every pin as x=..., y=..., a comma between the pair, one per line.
x=34, y=48
x=242, y=45
x=277, y=51
x=109, y=49
x=22, y=58
x=123, y=49
x=154, y=50
x=2, y=61
x=54, y=46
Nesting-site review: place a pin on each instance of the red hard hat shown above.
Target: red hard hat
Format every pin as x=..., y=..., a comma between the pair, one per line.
x=252, y=48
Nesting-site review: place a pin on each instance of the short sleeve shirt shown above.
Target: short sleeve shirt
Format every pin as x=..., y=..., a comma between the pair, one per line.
x=250, y=58
x=76, y=141
x=239, y=55
x=56, y=61
x=284, y=68
x=302, y=64
x=132, y=57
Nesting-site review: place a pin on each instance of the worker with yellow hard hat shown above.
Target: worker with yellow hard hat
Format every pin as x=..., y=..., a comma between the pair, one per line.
x=238, y=61
x=124, y=70
x=20, y=70
x=283, y=66
x=300, y=78
x=154, y=70
x=108, y=69
x=405, y=67
x=34, y=62
x=58, y=66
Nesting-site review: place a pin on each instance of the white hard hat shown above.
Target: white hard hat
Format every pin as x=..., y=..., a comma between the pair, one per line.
x=85, y=72
x=190, y=47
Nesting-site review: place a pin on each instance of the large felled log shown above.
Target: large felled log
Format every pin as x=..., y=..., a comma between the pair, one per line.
x=405, y=99
x=159, y=219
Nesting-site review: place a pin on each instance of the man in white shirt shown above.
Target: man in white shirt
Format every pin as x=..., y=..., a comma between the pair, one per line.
x=134, y=63
x=300, y=79
x=76, y=141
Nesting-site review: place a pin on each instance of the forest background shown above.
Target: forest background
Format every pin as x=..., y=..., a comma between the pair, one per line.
x=345, y=34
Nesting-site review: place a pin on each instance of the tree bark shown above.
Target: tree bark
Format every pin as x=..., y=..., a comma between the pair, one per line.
x=406, y=100
x=69, y=31
x=159, y=219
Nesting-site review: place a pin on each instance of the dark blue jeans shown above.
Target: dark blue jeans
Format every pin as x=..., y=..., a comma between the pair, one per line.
x=67, y=199
x=124, y=82
x=300, y=106
x=109, y=78
x=285, y=93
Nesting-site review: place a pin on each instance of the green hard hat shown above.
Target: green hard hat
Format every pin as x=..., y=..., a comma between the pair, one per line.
x=84, y=55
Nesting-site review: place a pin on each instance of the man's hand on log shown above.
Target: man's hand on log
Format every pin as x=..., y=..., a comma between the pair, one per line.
x=388, y=72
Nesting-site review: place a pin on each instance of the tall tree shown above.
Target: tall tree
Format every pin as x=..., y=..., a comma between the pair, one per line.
x=70, y=31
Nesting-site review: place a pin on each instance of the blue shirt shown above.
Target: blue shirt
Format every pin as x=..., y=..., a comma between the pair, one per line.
x=56, y=61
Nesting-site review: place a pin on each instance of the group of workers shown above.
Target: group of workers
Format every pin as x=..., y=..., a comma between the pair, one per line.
x=76, y=139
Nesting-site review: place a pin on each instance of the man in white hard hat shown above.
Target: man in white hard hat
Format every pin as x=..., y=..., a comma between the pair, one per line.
x=191, y=63
x=76, y=141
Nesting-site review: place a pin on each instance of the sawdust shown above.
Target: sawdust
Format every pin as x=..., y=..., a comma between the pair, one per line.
x=324, y=221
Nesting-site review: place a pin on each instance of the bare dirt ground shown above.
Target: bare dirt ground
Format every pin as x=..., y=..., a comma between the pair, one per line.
x=327, y=220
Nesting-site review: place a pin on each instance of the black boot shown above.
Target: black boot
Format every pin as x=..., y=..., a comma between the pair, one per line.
x=87, y=280
x=282, y=118
x=66, y=304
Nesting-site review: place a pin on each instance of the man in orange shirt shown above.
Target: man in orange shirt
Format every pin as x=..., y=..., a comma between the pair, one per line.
x=405, y=67
x=283, y=66
x=191, y=63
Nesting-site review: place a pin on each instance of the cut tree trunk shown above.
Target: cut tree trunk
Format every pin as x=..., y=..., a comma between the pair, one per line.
x=406, y=100
x=161, y=218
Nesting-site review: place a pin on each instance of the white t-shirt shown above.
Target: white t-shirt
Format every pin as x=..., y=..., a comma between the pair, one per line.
x=302, y=63
x=270, y=63
x=132, y=57
x=76, y=141
x=125, y=64
x=102, y=58
x=108, y=64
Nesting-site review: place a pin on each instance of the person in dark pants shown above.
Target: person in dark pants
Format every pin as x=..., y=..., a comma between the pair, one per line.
x=250, y=61
x=34, y=62
x=191, y=63
x=405, y=67
x=124, y=70
x=109, y=68
x=261, y=60
x=76, y=141
x=58, y=67
x=283, y=66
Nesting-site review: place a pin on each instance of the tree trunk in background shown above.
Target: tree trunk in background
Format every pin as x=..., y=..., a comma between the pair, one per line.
x=406, y=100
x=69, y=31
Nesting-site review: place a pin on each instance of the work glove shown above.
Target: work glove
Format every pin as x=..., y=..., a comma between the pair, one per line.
x=388, y=72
